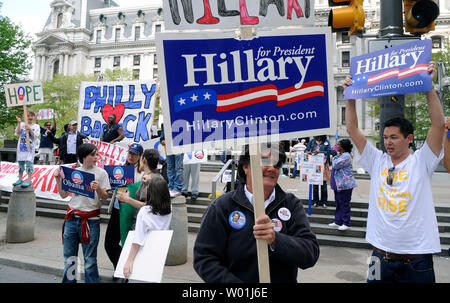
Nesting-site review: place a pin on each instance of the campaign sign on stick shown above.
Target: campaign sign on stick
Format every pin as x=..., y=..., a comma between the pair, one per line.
x=132, y=102
x=45, y=114
x=398, y=70
x=209, y=14
x=24, y=94
x=218, y=91
x=78, y=182
x=120, y=175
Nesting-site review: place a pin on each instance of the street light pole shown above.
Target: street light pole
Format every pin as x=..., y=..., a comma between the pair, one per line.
x=391, y=26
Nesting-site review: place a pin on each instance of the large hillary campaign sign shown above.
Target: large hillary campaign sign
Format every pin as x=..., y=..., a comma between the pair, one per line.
x=213, y=14
x=218, y=91
x=132, y=102
x=397, y=70
x=77, y=182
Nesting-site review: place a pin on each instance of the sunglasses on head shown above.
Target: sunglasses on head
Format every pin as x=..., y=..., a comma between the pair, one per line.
x=390, y=176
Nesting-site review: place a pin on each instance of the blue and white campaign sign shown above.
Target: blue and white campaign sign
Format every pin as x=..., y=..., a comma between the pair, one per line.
x=78, y=182
x=398, y=70
x=218, y=91
x=195, y=157
x=120, y=175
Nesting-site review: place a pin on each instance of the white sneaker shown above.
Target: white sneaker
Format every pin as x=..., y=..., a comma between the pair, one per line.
x=334, y=225
x=174, y=193
x=344, y=227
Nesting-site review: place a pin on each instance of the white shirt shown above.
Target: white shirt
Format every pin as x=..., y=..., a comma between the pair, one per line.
x=72, y=143
x=23, y=154
x=87, y=204
x=401, y=217
x=249, y=196
x=147, y=221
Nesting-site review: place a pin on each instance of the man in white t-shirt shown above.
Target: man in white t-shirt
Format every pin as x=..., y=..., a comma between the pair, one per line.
x=401, y=224
x=26, y=152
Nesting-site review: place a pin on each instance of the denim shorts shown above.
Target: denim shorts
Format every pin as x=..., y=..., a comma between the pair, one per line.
x=28, y=164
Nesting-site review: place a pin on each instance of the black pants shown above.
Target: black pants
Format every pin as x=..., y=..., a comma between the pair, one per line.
x=70, y=158
x=112, y=238
x=323, y=194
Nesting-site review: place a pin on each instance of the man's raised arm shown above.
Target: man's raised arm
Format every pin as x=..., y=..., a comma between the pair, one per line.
x=352, y=121
x=436, y=131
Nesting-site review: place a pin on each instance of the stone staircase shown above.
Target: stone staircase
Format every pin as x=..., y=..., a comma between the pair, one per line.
x=319, y=220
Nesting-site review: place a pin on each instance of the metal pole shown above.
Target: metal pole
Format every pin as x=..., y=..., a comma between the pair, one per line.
x=391, y=25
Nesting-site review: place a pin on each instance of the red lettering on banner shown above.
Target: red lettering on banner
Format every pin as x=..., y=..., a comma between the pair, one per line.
x=120, y=152
x=36, y=175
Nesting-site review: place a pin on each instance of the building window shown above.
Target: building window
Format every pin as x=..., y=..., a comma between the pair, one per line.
x=59, y=20
x=155, y=60
x=117, y=37
x=98, y=62
x=99, y=37
x=436, y=42
x=116, y=62
x=343, y=115
x=155, y=73
x=345, y=37
x=136, y=60
x=135, y=74
x=158, y=28
x=56, y=68
x=137, y=33
x=345, y=59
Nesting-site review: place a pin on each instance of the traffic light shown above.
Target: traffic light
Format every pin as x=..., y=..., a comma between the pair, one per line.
x=420, y=15
x=349, y=18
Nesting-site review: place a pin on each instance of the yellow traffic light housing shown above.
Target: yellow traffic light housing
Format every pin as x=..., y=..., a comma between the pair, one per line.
x=420, y=15
x=349, y=18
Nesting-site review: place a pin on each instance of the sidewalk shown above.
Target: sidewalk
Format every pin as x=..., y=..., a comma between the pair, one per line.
x=335, y=265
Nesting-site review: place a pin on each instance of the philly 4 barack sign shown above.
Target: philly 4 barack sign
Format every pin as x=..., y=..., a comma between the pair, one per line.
x=220, y=91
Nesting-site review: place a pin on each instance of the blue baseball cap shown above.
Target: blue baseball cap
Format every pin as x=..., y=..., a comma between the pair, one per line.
x=136, y=149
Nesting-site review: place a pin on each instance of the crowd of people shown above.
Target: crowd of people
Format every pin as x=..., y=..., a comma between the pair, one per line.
x=401, y=225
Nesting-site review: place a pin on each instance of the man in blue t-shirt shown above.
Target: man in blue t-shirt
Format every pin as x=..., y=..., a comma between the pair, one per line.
x=46, y=145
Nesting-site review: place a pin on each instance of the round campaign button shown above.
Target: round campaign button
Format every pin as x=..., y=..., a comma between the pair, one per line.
x=278, y=224
x=284, y=214
x=237, y=219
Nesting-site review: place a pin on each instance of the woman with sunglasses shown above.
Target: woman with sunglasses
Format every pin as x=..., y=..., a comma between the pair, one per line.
x=342, y=183
x=225, y=248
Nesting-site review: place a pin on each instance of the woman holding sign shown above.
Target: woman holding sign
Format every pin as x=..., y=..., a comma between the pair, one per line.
x=225, y=249
x=112, y=236
x=82, y=221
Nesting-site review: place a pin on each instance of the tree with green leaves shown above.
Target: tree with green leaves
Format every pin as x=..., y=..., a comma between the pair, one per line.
x=62, y=94
x=14, y=66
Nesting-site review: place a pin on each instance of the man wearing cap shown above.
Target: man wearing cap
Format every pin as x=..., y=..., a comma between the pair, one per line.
x=113, y=132
x=69, y=143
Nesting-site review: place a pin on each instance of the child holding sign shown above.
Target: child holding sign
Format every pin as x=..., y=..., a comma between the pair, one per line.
x=26, y=152
x=156, y=215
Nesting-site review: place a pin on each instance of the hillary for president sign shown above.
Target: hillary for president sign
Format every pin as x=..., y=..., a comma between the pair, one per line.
x=218, y=91
x=397, y=70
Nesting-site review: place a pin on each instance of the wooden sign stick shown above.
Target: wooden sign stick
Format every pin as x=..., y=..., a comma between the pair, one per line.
x=25, y=120
x=258, y=192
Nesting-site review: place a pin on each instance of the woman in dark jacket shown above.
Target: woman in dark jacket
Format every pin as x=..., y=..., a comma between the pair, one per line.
x=225, y=248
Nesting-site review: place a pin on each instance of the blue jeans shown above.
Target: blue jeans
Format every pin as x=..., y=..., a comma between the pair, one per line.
x=416, y=270
x=175, y=172
x=72, y=237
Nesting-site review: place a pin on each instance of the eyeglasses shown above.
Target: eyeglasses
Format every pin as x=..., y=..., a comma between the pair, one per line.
x=390, y=176
x=267, y=161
